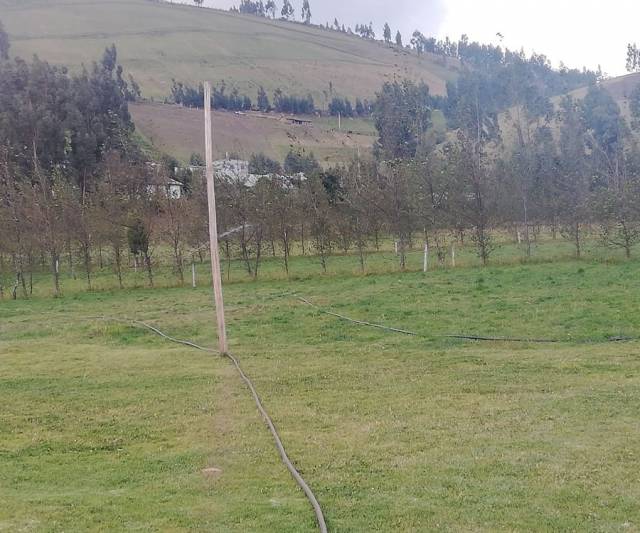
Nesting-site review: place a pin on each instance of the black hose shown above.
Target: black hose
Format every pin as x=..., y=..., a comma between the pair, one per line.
x=322, y=526
x=480, y=338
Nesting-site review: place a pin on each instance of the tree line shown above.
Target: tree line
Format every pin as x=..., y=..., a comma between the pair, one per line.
x=231, y=100
x=76, y=189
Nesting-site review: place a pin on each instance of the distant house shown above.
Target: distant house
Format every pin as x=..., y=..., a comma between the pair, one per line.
x=173, y=189
x=299, y=121
x=236, y=171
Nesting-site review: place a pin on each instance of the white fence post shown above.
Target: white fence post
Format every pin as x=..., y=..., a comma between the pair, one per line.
x=426, y=258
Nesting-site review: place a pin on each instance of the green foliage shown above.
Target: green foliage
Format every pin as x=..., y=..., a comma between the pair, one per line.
x=196, y=160
x=72, y=124
x=402, y=115
x=387, y=33
x=250, y=7
x=300, y=162
x=188, y=96
x=476, y=104
x=399, y=39
x=262, y=165
x=263, y=100
x=604, y=121
x=138, y=238
x=294, y=105
x=287, y=10
x=633, y=58
x=306, y=12
x=4, y=43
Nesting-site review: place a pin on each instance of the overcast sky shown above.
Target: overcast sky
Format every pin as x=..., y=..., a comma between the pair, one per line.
x=578, y=32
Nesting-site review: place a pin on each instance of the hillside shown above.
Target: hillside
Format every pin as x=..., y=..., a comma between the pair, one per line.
x=179, y=131
x=158, y=41
x=620, y=89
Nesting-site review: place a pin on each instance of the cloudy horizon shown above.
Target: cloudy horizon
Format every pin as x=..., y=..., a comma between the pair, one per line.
x=575, y=33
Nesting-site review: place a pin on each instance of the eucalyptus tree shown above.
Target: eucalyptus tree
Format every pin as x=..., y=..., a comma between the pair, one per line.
x=306, y=12
x=476, y=121
x=4, y=43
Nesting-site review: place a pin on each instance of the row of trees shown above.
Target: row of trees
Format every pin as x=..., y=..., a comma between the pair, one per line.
x=270, y=9
x=232, y=100
x=570, y=169
x=344, y=107
x=75, y=188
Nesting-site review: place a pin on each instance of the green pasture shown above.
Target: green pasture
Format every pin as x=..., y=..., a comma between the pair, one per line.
x=107, y=427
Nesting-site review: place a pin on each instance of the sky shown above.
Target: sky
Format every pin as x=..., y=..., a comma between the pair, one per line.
x=579, y=33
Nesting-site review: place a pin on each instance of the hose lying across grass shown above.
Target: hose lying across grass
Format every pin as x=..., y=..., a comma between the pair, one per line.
x=274, y=432
x=455, y=336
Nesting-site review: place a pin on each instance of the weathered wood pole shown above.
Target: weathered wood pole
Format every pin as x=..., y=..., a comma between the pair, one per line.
x=213, y=223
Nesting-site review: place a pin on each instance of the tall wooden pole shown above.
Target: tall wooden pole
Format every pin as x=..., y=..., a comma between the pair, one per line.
x=213, y=223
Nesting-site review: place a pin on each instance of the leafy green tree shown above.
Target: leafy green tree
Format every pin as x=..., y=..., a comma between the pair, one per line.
x=633, y=58
x=387, y=33
x=262, y=165
x=573, y=185
x=196, y=160
x=306, y=12
x=72, y=125
x=298, y=162
x=402, y=117
x=270, y=8
x=399, y=39
x=476, y=119
x=138, y=237
x=606, y=129
x=4, y=43
x=263, y=100
x=287, y=10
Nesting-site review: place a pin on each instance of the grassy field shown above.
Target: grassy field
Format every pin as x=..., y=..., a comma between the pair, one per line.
x=158, y=41
x=107, y=427
x=178, y=131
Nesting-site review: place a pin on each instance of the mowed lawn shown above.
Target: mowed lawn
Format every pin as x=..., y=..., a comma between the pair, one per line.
x=107, y=427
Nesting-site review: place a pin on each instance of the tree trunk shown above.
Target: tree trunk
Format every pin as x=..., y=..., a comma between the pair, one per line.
x=118, y=264
x=147, y=262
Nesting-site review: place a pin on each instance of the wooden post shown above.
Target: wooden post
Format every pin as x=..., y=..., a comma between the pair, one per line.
x=426, y=258
x=453, y=255
x=213, y=223
x=396, y=245
x=193, y=274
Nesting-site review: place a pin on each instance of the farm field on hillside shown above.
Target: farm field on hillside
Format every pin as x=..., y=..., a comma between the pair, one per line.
x=178, y=131
x=158, y=41
x=105, y=424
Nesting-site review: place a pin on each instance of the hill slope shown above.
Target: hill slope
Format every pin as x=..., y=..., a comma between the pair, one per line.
x=158, y=41
x=179, y=131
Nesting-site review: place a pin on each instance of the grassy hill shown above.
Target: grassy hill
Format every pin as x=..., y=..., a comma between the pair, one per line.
x=179, y=131
x=158, y=41
x=620, y=89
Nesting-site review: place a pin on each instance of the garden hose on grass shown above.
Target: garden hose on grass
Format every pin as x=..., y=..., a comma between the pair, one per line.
x=322, y=526
x=479, y=338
